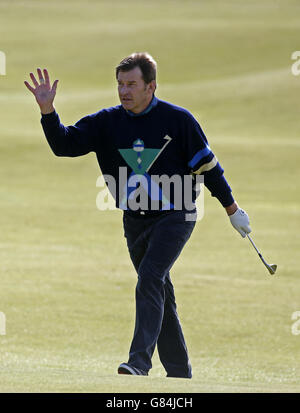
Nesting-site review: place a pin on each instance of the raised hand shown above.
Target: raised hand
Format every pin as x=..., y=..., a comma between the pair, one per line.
x=42, y=90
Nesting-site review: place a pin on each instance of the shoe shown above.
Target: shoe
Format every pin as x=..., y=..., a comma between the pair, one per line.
x=125, y=368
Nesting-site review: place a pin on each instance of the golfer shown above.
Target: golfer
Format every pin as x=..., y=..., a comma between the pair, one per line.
x=137, y=142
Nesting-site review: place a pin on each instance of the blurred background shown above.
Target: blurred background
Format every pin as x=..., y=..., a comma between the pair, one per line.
x=66, y=280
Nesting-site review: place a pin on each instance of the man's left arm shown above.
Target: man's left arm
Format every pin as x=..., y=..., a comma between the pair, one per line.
x=203, y=161
x=219, y=188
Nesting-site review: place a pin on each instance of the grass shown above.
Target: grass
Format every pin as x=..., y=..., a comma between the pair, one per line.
x=67, y=284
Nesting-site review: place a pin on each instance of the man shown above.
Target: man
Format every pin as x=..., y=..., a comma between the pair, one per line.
x=147, y=138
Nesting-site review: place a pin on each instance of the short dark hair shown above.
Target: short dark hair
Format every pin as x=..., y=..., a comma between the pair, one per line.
x=142, y=60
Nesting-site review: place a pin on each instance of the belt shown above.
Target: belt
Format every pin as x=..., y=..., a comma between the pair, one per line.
x=140, y=214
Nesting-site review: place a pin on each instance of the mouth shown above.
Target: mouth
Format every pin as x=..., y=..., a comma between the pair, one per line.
x=126, y=100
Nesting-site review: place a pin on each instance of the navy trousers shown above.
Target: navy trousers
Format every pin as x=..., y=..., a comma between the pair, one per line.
x=154, y=244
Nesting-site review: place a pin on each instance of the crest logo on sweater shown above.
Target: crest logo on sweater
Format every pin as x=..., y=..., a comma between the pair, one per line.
x=140, y=160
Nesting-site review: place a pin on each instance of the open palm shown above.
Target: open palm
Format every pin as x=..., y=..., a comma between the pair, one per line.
x=43, y=91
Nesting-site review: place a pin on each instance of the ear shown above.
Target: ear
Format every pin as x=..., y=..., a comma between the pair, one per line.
x=152, y=86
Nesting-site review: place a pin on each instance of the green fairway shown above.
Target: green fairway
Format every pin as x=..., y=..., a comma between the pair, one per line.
x=66, y=279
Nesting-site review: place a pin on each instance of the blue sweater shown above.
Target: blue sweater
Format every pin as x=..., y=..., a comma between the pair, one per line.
x=163, y=140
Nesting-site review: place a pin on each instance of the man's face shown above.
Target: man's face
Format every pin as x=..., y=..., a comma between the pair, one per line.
x=134, y=93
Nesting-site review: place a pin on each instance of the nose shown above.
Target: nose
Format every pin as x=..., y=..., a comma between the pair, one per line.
x=123, y=90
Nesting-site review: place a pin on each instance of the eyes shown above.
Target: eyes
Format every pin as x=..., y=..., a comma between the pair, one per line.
x=129, y=84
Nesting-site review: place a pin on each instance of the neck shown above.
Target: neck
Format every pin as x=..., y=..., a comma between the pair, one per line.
x=144, y=107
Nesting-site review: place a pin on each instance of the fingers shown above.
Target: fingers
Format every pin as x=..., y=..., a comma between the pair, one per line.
x=40, y=75
x=54, y=86
x=34, y=80
x=29, y=87
x=46, y=75
x=43, y=79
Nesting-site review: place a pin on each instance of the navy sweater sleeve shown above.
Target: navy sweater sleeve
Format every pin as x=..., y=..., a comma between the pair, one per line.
x=202, y=160
x=70, y=141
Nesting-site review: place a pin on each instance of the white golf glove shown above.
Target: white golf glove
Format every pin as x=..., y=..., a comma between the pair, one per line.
x=240, y=221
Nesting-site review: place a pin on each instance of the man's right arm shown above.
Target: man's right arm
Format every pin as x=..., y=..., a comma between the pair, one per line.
x=71, y=141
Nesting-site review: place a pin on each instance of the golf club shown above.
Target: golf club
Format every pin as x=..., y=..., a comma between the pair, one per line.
x=272, y=267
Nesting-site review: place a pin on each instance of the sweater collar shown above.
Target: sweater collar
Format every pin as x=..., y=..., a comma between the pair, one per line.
x=151, y=105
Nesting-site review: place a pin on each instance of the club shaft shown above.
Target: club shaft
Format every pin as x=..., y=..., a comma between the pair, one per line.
x=259, y=254
x=250, y=239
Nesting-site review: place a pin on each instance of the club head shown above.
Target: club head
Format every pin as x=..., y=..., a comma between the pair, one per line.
x=272, y=268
